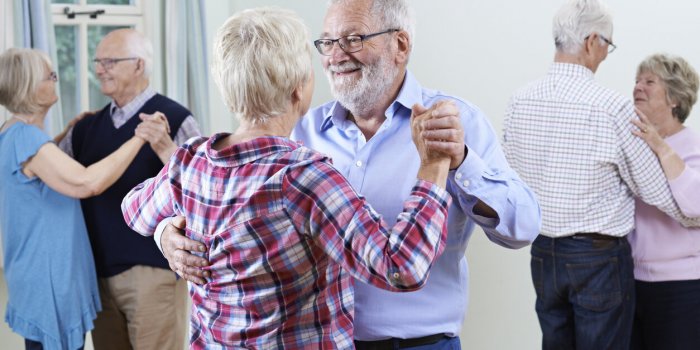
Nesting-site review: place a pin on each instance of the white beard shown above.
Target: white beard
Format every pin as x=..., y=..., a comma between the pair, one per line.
x=360, y=96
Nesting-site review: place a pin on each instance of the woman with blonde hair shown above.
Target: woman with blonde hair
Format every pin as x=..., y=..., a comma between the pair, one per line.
x=48, y=262
x=285, y=231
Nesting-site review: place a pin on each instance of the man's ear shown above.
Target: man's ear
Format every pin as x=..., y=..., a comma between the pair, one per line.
x=404, y=47
x=592, y=40
x=297, y=93
x=140, y=65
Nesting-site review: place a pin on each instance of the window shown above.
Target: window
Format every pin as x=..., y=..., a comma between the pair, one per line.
x=79, y=26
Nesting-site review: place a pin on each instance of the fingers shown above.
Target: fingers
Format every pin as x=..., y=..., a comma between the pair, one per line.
x=192, y=276
x=643, y=117
x=174, y=238
x=177, y=248
x=152, y=129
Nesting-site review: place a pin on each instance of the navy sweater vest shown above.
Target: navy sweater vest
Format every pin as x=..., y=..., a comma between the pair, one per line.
x=115, y=246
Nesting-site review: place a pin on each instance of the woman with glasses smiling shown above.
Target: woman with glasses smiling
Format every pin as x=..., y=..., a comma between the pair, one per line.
x=49, y=267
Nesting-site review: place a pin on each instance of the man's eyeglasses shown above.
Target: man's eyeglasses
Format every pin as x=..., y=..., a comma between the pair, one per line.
x=611, y=46
x=53, y=76
x=348, y=43
x=108, y=63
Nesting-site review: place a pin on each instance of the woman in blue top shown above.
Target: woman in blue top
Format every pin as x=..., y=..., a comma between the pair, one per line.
x=49, y=268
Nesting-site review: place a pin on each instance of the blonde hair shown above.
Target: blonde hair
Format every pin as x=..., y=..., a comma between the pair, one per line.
x=22, y=71
x=259, y=57
x=680, y=79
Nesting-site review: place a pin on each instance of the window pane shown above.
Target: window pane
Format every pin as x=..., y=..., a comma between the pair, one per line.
x=95, y=34
x=64, y=1
x=110, y=2
x=68, y=69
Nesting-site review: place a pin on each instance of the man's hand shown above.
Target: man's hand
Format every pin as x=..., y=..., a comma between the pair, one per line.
x=444, y=133
x=155, y=129
x=71, y=123
x=176, y=248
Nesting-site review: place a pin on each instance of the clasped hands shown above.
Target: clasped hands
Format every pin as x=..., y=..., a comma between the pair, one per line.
x=437, y=132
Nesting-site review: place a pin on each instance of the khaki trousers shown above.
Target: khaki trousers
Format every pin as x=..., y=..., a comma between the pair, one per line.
x=142, y=308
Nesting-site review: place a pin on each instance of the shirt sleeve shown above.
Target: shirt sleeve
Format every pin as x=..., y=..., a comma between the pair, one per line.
x=66, y=144
x=150, y=202
x=188, y=129
x=322, y=204
x=685, y=186
x=27, y=143
x=486, y=175
x=641, y=171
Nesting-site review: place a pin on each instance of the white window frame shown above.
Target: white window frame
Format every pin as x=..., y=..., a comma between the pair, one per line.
x=115, y=15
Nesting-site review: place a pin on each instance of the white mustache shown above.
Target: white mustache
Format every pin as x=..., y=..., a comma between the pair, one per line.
x=344, y=67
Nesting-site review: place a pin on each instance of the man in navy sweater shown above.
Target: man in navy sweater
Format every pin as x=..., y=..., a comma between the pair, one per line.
x=143, y=303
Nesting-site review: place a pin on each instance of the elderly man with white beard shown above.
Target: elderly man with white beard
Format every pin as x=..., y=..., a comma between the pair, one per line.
x=365, y=48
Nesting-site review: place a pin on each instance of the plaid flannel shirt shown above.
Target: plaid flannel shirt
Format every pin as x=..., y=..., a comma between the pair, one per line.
x=284, y=232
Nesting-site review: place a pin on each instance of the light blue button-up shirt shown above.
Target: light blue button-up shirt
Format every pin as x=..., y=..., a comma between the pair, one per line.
x=384, y=169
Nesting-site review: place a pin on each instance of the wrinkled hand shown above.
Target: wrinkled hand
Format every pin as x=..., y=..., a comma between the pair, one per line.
x=176, y=249
x=419, y=115
x=648, y=132
x=155, y=129
x=443, y=132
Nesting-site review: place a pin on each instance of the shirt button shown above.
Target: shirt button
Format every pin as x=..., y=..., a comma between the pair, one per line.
x=395, y=276
x=458, y=176
x=358, y=163
x=465, y=183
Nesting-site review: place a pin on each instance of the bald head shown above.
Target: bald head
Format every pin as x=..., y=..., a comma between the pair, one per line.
x=134, y=44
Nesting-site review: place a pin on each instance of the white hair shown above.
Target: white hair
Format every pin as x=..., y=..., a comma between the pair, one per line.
x=259, y=57
x=22, y=72
x=578, y=19
x=139, y=46
x=391, y=14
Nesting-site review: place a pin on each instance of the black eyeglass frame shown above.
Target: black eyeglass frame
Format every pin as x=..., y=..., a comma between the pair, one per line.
x=108, y=63
x=611, y=46
x=329, y=42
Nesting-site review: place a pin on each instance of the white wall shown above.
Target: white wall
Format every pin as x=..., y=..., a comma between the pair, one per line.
x=482, y=51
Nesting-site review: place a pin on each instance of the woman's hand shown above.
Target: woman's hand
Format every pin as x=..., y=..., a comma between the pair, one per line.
x=648, y=132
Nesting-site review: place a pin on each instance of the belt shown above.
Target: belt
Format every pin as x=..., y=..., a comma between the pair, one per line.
x=595, y=236
x=396, y=343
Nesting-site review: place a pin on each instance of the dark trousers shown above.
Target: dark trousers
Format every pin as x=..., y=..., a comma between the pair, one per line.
x=445, y=343
x=35, y=345
x=585, y=291
x=667, y=315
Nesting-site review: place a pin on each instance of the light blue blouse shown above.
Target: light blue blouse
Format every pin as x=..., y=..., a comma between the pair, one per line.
x=48, y=261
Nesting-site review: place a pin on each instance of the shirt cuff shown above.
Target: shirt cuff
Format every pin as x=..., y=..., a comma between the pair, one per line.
x=470, y=171
x=159, y=232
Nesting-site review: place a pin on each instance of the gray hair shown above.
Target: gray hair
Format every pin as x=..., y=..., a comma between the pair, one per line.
x=22, y=72
x=578, y=19
x=680, y=79
x=391, y=14
x=259, y=57
x=139, y=46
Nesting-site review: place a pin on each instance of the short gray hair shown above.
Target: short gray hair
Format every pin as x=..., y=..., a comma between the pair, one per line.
x=259, y=57
x=22, y=72
x=391, y=14
x=140, y=46
x=680, y=79
x=578, y=19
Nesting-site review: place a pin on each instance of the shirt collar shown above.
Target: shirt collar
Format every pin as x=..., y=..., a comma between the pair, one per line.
x=134, y=105
x=570, y=69
x=410, y=93
x=247, y=152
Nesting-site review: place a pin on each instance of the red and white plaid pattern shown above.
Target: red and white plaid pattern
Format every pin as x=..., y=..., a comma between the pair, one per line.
x=284, y=231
